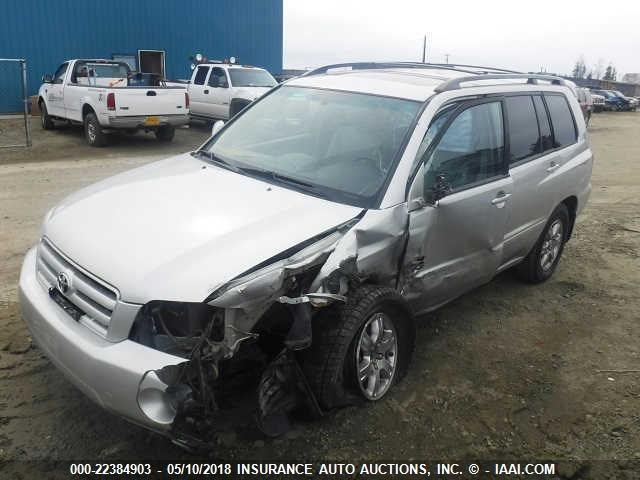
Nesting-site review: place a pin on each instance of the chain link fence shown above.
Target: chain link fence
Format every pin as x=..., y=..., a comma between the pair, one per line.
x=14, y=129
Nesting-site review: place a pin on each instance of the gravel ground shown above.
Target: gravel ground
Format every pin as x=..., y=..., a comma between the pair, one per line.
x=507, y=371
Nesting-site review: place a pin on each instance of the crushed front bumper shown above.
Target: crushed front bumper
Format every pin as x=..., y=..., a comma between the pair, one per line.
x=118, y=376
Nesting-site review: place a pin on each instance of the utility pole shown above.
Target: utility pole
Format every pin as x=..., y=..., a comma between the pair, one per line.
x=424, y=49
x=446, y=55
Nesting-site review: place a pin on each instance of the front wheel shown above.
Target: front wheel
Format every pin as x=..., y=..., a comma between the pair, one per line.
x=360, y=349
x=543, y=259
x=165, y=133
x=45, y=119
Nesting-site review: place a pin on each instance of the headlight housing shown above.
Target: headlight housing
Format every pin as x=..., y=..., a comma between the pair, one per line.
x=177, y=327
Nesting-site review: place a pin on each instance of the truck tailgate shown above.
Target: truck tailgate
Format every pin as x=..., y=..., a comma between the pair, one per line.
x=150, y=101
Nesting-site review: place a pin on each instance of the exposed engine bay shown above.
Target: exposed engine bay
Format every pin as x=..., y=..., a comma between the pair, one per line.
x=250, y=331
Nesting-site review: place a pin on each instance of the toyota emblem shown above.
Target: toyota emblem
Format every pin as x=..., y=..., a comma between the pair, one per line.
x=64, y=282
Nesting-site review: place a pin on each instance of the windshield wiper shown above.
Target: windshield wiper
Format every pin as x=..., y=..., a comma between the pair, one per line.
x=284, y=179
x=217, y=160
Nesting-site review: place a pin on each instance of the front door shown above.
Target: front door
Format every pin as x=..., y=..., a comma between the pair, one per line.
x=219, y=93
x=198, y=99
x=456, y=239
x=55, y=92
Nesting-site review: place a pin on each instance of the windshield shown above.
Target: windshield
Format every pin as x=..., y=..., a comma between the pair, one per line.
x=341, y=144
x=251, y=77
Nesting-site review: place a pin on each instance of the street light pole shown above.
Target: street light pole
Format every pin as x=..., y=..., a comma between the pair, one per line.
x=424, y=49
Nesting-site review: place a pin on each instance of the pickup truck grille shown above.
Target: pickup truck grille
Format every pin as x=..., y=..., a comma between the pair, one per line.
x=93, y=298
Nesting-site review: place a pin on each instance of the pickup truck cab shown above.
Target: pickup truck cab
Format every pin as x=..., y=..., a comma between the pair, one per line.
x=101, y=95
x=219, y=90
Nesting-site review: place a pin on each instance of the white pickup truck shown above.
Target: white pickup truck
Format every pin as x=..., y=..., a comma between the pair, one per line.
x=105, y=95
x=220, y=90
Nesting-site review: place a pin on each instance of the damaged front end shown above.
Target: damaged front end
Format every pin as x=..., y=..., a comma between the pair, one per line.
x=247, y=331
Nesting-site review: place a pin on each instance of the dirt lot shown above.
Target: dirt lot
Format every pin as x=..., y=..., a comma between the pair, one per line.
x=508, y=371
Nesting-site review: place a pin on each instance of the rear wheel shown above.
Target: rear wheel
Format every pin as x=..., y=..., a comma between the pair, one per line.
x=45, y=119
x=359, y=349
x=543, y=259
x=165, y=133
x=93, y=132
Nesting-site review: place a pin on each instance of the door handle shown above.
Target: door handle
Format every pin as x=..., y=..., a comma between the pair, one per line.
x=500, y=198
x=553, y=166
x=206, y=92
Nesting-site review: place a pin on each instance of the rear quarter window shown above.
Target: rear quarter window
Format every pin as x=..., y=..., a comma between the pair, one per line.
x=564, y=128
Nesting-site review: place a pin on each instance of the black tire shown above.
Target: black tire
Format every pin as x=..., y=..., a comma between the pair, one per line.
x=45, y=119
x=330, y=363
x=236, y=106
x=93, y=131
x=531, y=269
x=165, y=133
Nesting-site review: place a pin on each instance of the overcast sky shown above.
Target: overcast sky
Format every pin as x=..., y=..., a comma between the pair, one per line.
x=518, y=35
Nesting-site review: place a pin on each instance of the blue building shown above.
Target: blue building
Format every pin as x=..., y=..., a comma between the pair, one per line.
x=151, y=35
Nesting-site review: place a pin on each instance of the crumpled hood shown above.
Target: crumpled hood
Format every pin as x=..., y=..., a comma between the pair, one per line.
x=180, y=228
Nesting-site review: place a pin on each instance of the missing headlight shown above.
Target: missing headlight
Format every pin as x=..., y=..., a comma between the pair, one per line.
x=177, y=327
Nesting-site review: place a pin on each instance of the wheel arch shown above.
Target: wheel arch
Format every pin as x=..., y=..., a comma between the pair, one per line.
x=236, y=105
x=572, y=206
x=87, y=109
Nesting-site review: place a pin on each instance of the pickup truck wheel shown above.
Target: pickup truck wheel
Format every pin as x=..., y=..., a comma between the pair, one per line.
x=360, y=349
x=543, y=259
x=165, y=133
x=93, y=131
x=45, y=119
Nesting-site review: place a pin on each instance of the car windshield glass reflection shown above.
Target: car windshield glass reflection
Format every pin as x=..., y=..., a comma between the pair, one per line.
x=341, y=144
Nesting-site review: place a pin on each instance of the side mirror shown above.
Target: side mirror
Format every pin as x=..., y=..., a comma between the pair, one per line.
x=442, y=187
x=217, y=126
x=48, y=78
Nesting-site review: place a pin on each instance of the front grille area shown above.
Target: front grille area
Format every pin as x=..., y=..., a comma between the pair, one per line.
x=93, y=297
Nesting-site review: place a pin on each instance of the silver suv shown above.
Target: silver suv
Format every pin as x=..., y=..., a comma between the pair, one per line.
x=296, y=247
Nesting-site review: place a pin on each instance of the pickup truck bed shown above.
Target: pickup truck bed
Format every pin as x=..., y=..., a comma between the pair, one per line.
x=106, y=103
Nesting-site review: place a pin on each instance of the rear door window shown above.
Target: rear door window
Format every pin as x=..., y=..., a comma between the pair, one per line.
x=524, y=139
x=564, y=128
x=201, y=75
x=546, y=139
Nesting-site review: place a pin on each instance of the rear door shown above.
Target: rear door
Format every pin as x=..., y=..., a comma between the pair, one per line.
x=199, y=100
x=456, y=241
x=536, y=159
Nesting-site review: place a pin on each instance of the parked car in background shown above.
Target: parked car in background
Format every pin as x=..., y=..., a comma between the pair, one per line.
x=105, y=96
x=633, y=102
x=598, y=102
x=586, y=102
x=220, y=90
x=612, y=101
x=303, y=239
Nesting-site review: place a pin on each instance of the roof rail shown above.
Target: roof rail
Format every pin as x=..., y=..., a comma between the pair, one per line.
x=416, y=65
x=455, y=83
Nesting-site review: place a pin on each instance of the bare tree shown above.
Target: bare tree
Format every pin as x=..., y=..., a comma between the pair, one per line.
x=579, y=69
x=610, y=73
x=598, y=68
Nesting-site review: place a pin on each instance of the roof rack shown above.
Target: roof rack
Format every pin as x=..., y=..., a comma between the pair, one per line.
x=472, y=69
x=456, y=83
